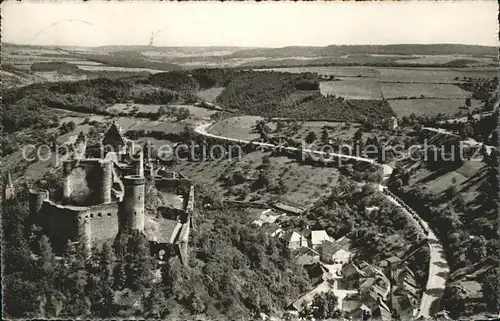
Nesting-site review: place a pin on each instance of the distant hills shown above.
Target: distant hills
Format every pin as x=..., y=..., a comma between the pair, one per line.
x=399, y=49
x=290, y=51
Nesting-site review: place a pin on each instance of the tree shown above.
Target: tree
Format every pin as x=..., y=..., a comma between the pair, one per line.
x=47, y=261
x=491, y=289
x=182, y=113
x=325, y=138
x=325, y=305
x=280, y=126
x=139, y=262
x=162, y=110
x=311, y=137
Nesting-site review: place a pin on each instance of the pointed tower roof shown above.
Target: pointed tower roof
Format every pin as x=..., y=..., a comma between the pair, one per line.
x=114, y=135
x=8, y=180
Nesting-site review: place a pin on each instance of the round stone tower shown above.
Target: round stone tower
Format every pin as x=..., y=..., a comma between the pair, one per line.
x=36, y=199
x=106, y=181
x=133, y=202
x=84, y=231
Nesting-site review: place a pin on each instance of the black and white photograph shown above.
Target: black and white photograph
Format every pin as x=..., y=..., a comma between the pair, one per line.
x=250, y=161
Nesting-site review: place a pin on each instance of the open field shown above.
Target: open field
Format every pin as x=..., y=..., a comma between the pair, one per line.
x=304, y=184
x=113, y=68
x=370, y=72
x=352, y=88
x=210, y=94
x=396, y=90
x=237, y=127
x=442, y=59
x=433, y=75
x=429, y=107
x=194, y=112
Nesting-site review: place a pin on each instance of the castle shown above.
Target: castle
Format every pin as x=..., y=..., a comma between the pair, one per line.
x=102, y=196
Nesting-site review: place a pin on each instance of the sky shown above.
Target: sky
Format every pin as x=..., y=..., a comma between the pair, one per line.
x=251, y=24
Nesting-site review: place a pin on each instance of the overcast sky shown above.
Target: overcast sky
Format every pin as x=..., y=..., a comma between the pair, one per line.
x=249, y=24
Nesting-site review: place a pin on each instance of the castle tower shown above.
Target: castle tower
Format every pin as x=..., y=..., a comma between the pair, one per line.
x=9, y=191
x=106, y=181
x=133, y=202
x=67, y=167
x=140, y=164
x=36, y=199
x=113, y=139
x=84, y=231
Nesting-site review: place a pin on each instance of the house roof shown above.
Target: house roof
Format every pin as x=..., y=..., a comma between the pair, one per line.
x=393, y=259
x=342, y=253
x=351, y=266
x=292, y=236
x=404, y=302
x=367, y=284
x=306, y=251
x=350, y=304
x=344, y=242
x=318, y=237
x=278, y=233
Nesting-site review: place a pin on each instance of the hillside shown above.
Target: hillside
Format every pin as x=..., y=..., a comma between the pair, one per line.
x=398, y=49
x=460, y=201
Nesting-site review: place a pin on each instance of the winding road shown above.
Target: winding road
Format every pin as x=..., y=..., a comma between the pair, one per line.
x=438, y=266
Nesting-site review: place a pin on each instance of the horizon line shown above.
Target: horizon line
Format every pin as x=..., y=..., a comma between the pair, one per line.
x=253, y=47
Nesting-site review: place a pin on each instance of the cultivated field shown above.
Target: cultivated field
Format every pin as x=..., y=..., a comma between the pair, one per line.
x=370, y=72
x=442, y=59
x=433, y=75
x=304, y=184
x=429, y=107
x=352, y=88
x=113, y=68
x=396, y=90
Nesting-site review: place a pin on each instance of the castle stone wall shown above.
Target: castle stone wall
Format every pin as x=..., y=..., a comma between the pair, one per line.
x=36, y=199
x=104, y=221
x=87, y=181
x=61, y=223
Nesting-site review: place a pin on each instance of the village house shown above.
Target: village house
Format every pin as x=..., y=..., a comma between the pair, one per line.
x=318, y=237
x=292, y=239
x=306, y=256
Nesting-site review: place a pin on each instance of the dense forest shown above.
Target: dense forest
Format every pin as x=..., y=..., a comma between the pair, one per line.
x=276, y=94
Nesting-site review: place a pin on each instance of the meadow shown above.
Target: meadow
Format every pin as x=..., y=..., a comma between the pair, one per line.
x=433, y=75
x=352, y=88
x=429, y=107
x=418, y=90
x=210, y=94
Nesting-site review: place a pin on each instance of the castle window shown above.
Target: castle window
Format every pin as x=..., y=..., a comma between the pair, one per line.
x=99, y=215
x=109, y=214
x=91, y=215
x=135, y=213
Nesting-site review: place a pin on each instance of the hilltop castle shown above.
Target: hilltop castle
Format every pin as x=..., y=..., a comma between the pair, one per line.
x=105, y=195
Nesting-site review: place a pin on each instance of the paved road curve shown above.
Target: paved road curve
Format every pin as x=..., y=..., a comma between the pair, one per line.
x=438, y=266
